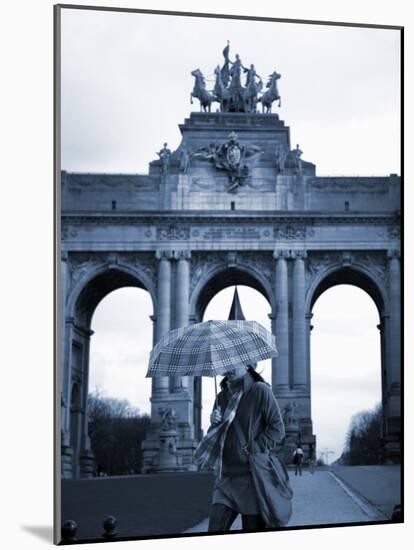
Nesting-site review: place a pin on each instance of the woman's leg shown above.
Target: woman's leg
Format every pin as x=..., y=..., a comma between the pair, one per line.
x=252, y=523
x=221, y=518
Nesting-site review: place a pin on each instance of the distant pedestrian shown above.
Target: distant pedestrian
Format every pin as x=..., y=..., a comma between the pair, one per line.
x=311, y=460
x=297, y=460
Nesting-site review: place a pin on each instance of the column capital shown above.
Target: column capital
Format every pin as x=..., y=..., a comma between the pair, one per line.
x=182, y=254
x=393, y=254
x=298, y=254
x=163, y=254
x=281, y=254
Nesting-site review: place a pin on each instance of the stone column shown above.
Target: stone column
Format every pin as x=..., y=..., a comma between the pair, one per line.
x=394, y=332
x=280, y=370
x=63, y=277
x=309, y=328
x=384, y=382
x=299, y=321
x=393, y=437
x=86, y=457
x=182, y=305
x=66, y=449
x=163, y=316
x=67, y=382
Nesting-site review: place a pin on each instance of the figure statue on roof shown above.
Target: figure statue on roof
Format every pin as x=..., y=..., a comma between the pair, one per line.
x=225, y=70
x=281, y=154
x=164, y=155
x=184, y=160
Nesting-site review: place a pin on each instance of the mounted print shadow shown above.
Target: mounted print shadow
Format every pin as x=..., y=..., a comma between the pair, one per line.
x=228, y=290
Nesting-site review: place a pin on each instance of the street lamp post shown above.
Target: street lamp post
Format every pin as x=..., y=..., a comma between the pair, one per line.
x=325, y=455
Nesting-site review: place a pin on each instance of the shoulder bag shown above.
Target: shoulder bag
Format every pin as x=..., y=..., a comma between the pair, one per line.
x=271, y=481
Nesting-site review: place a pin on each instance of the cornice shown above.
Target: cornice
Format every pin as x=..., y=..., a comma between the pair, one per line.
x=158, y=218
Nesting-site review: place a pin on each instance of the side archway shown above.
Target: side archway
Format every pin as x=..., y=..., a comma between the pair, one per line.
x=375, y=287
x=95, y=284
x=357, y=276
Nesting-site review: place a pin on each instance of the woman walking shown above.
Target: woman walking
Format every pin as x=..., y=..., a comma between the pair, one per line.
x=245, y=402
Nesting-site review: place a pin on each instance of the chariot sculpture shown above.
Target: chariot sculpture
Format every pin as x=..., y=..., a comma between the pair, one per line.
x=229, y=91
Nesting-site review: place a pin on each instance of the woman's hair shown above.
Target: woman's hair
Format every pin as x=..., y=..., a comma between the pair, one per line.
x=254, y=374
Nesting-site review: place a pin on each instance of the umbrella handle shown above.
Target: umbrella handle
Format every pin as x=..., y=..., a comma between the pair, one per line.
x=215, y=385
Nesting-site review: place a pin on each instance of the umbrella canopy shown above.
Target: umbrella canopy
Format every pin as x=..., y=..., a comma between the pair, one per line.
x=211, y=348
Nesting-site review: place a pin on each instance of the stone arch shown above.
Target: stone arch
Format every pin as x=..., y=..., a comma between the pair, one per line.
x=222, y=276
x=97, y=282
x=363, y=278
x=356, y=275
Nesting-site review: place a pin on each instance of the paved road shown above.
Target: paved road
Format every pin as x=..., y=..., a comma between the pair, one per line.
x=174, y=503
x=379, y=485
x=320, y=499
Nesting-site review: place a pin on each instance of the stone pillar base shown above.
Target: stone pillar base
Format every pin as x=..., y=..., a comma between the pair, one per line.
x=66, y=458
x=392, y=450
x=154, y=457
x=87, y=463
x=291, y=442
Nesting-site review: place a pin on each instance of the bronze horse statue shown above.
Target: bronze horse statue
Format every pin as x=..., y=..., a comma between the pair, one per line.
x=200, y=92
x=271, y=94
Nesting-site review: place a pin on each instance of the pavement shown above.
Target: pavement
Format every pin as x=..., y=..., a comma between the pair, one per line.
x=144, y=505
x=170, y=504
x=320, y=499
x=380, y=486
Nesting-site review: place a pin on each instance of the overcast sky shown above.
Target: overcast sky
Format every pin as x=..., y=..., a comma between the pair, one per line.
x=126, y=86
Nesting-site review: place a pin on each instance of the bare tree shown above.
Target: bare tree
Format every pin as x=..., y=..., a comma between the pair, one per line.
x=117, y=430
x=363, y=441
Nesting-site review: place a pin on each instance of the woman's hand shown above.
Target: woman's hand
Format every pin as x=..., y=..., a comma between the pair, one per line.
x=216, y=417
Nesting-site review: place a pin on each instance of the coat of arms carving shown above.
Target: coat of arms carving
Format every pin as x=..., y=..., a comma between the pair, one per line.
x=232, y=157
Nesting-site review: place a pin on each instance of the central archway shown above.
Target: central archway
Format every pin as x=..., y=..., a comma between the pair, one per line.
x=209, y=289
x=223, y=277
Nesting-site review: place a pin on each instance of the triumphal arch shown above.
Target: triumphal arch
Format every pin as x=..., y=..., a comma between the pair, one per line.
x=235, y=203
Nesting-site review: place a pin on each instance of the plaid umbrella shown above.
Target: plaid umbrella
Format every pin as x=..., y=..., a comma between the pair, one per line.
x=211, y=348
